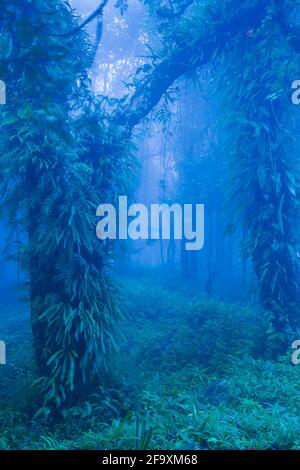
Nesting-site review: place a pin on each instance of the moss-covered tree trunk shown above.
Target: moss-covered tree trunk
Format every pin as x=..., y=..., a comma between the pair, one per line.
x=260, y=143
x=53, y=179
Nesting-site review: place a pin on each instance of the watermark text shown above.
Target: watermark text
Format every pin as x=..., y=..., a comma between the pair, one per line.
x=161, y=221
x=2, y=353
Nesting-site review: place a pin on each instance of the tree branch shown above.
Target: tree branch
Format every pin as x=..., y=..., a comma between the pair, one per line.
x=97, y=13
x=213, y=35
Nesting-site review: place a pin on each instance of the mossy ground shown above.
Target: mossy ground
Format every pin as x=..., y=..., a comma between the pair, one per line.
x=191, y=374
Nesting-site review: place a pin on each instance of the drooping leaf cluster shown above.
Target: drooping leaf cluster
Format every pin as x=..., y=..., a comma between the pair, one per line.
x=60, y=159
x=259, y=128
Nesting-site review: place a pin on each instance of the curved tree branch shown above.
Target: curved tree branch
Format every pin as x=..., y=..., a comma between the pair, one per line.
x=244, y=15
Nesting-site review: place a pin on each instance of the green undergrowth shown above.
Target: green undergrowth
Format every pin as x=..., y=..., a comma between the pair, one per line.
x=191, y=374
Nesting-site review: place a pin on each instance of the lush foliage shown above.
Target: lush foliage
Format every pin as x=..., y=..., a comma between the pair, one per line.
x=259, y=139
x=189, y=378
x=192, y=372
x=54, y=173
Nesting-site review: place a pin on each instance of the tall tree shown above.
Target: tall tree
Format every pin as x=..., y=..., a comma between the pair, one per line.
x=59, y=162
x=259, y=138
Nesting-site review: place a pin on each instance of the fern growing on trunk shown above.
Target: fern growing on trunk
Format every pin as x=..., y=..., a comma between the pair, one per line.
x=260, y=146
x=58, y=162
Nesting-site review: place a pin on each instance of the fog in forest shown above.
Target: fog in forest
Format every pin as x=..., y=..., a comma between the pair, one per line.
x=173, y=324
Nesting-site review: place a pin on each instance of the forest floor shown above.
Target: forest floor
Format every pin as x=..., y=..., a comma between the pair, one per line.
x=191, y=374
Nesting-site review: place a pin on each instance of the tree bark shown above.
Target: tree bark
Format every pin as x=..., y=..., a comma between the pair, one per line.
x=213, y=35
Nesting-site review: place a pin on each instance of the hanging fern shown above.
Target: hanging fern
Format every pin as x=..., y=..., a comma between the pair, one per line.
x=57, y=166
x=264, y=186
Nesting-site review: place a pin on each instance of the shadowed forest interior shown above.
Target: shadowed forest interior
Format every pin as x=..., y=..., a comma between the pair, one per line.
x=143, y=344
